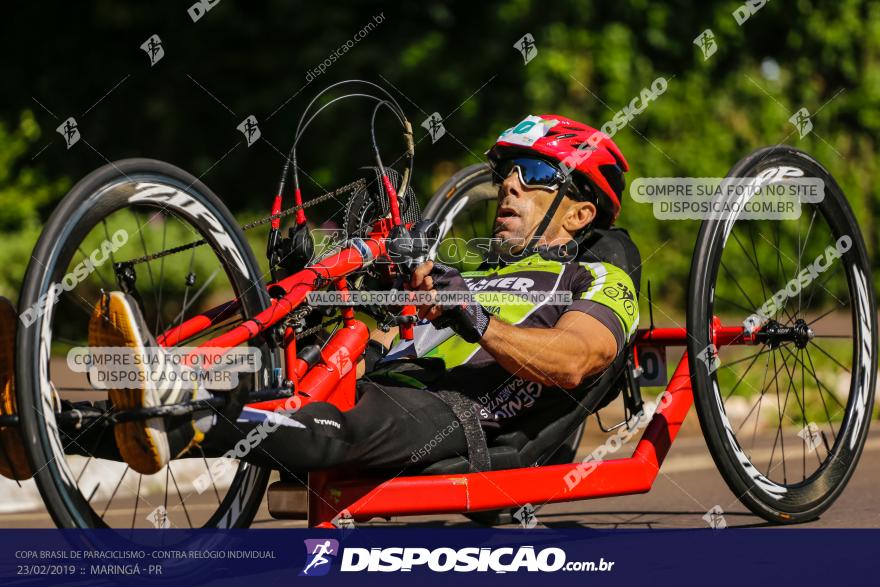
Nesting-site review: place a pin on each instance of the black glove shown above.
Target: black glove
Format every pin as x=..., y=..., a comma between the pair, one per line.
x=468, y=320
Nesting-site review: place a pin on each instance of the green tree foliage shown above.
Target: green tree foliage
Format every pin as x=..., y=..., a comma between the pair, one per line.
x=458, y=59
x=24, y=191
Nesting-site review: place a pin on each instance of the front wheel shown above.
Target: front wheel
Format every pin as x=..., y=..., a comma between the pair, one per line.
x=464, y=209
x=116, y=217
x=786, y=414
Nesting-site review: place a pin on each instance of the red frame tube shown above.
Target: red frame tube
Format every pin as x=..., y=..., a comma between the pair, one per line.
x=295, y=289
x=186, y=330
x=332, y=379
x=363, y=499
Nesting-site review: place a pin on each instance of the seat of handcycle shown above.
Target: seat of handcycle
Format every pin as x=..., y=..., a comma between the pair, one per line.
x=549, y=438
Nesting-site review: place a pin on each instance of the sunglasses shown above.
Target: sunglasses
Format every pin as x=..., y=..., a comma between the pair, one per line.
x=533, y=173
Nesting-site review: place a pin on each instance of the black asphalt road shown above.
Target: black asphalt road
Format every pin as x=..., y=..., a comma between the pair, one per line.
x=687, y=487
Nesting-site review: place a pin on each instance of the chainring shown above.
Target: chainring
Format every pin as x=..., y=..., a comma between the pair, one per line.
x=369, y=205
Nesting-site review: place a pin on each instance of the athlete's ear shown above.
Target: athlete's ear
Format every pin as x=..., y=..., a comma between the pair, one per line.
x=578, y=215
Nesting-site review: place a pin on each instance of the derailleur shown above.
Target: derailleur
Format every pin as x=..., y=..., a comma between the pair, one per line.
x=126, y=276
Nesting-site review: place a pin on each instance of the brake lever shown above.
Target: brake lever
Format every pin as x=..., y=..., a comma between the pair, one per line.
x=407, y=249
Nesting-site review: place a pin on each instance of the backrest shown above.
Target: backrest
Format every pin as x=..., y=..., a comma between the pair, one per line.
x=613, y=245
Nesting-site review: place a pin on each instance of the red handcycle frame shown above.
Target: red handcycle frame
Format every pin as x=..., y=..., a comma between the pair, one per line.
x=332, y=379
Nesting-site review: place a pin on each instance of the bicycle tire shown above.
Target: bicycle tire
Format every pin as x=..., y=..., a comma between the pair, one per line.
x=804, y=500
x=94, y=197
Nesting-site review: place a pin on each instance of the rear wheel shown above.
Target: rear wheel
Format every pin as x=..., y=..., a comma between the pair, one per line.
x=121, y=212
x=786, y=416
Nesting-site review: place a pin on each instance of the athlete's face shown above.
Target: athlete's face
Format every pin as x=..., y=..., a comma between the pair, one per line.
x=521, y=210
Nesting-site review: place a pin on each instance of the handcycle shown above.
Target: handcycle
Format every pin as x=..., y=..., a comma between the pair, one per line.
x=181, y=288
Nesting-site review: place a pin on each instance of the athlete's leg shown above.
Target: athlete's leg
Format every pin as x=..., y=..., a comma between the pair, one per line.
x=389, y=427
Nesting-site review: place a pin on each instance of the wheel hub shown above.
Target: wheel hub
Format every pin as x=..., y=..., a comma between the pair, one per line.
x=775, y=334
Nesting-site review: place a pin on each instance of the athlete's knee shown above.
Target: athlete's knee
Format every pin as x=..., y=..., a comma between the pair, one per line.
x=324, y=419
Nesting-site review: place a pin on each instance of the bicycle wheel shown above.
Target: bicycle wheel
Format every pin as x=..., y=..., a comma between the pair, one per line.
x=121, y=212
x=464, y=209
x=785, y=418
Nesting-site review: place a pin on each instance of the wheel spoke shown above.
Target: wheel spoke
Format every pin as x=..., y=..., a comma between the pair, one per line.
x=79, y=477
x=137, y=498
x=159, y=321
x=820, y=284
x=815, y=449
x=832, y=310
x=749, y=413
x=742, y=291
x=827, y=354
x=801, y=250
x=763, y=391
x=780, y=266
x=196, y=296
x=821, y=385
x=210, y=475
x=781, y=417
x=165, y=497
x=187, y=287
x=824, y=387
x=742, y=377
x=146, y=254
x=792, y=376
x=115, y=489
x=93, y=492
x=755, y=263
x=180, y=497
x=763, y=351
x=97, y=269
x=812, y=371
x=107, y=235
x=779, y=410
x=748, y=311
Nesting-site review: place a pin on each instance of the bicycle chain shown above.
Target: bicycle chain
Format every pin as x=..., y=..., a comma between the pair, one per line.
x=317, y=328
x=355, y=185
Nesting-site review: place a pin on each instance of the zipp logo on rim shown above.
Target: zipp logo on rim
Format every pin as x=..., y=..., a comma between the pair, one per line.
x=47, y=395
x=765, y=177
x=761, y=482
x=174, y=198
x=865, y=366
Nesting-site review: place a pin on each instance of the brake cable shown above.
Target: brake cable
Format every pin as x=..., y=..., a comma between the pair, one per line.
x=360, y=184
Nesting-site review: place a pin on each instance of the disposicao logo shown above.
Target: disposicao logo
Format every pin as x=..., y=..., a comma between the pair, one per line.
x=320, y=553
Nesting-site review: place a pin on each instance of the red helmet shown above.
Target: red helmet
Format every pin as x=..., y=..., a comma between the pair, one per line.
x=576, y=148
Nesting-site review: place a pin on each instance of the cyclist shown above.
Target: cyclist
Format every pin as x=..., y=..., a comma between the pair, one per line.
x=490, y=369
